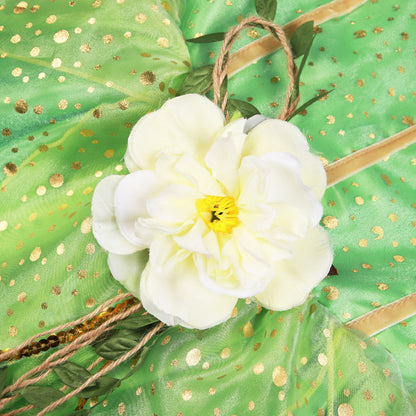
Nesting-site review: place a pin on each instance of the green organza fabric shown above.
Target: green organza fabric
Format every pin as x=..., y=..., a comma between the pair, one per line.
x=75, y=77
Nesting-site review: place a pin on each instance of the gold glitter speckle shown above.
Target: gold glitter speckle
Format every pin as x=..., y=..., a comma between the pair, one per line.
x=345, y=409
x=333, y=292
x=258, y=368
x=21, y=106
x=90, y=302
x=363, y=242
x=398, y=259
x=21, y=297
x=225, y=353
x=322, y=359
x=10, y=169
x=86, y=225
x=140, y=18
x=379, y=231
x=13, y=331
x=362, y=367
x=107, y=38
x=248, y=330
x=35, y=254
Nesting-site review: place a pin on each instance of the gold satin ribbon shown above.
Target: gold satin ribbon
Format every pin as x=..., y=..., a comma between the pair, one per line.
x=362, y=159
x=385, y=316
x=269, y=44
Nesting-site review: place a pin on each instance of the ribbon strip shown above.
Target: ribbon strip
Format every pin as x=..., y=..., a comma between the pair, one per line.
x=385, y=316
x=269, y=44
x=362, y=159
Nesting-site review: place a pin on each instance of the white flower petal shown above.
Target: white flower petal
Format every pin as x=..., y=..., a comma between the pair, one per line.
x=130, y=163
x=174, y=205
x=198, y=175
x=224, y=157
x=131, y=197
x=280, y=136
x=184, y=124
x=128, y=269
x=296, y=277
x=173, y=293
x=193, y=240
x=274, y=178
x=104, y=225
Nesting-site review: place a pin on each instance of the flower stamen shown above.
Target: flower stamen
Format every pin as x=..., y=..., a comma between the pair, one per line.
x=220, y=213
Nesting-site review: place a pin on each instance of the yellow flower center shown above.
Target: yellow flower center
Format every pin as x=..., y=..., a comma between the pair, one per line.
x=219, y=212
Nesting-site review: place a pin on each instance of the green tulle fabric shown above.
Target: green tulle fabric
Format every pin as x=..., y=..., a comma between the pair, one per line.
x=75, y=77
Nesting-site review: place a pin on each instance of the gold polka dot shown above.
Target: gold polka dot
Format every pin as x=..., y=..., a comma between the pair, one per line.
x=166, y=340
x=141, y=18
x=121, y=408
x=124, y=104
x=56, y=63
x=63, y=104
x=217, y=411
x=86, y=225
x=225, y=353
x=90, y=248
x=367, y=395
x=56, y=290
x=322, y=359
x=362, y=367
x=10, y=169
x=205, y=366
x=258, y=368
x=85, y=48
x=330, y=221
x=163, y=42
x=251, y=405
x=359, y=200
x=82, y=274
x=38, y=109
x=21, y=106
x=17, y=72
x=363, y=242
x=281, y=395
x=51, y=19
x=61, y=36
x=279, y=376
x=107, y=38
x=13, y=331
x=35, y=254
x=90, y=302
x=212, y=391
x=345, y=409
x=60, y=249
x=56, y=180
x=333, y=292
x=148, y=78
x=382, y=286
x=248, y=330
x=398, y=258
x=20, y=7
x=193, y=357
x=3, y=225
x=187, y=395
x=76, y=165
x=21, y=297
x=15, y=39
x=109, y=153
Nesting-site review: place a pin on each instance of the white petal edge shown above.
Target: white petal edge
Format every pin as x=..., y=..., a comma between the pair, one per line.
x=131, y=197
x=104, y=225
x=173, y=293
x=295, y=278
x=184, y=124
x=281, y=136
x=128, y=269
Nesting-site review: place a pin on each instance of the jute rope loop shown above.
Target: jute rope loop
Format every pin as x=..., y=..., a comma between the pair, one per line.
x=221, y=65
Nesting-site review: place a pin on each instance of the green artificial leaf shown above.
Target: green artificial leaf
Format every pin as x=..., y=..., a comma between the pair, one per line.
x=198, y=81
x=212, y=37
x=82, y=412
x=301, y=40
x=223, y=88
x=246, y=109
x=71, y=374
x=104, y=385
x=114, y=347
x=138, y=321
x=3, y=376
x=41, y=396
x=266, y=9
x=309, y=102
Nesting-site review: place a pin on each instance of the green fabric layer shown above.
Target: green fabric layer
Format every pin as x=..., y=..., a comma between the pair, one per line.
x=76, y=76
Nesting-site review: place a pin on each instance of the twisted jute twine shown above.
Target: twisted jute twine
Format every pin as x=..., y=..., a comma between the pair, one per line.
x=63, y=354
x=221, y=65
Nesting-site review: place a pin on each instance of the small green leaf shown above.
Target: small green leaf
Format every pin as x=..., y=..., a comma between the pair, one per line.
x=115, y=347
x=71, y=374
x=301, y=40
x=198, y=81
x=138, y=321
x=82, y=412
x=309, y=102
x=212, y=37
x=266, y=9
x=41, y=396
x=103, y=385
x=3, y=376
x=246, y=109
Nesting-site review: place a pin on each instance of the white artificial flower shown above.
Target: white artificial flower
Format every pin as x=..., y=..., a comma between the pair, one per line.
x=226, y=213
